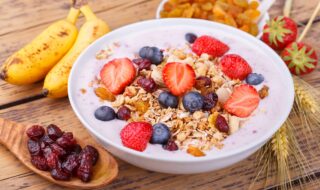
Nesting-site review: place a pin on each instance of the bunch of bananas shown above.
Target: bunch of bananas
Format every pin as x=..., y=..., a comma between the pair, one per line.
x=51, y=54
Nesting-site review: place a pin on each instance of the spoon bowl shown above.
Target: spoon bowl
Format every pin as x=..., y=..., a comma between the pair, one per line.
x=13, y=136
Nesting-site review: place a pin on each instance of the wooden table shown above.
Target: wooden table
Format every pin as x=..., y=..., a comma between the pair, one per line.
x=21, y=20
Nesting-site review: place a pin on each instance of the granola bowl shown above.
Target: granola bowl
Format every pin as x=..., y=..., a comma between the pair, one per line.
x=204, y=145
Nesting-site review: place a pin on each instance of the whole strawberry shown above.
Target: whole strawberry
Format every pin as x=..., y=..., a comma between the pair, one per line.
x=280, y=32
x=300, y=58
x=136, y=135
x=235, y=67
x=209, y=45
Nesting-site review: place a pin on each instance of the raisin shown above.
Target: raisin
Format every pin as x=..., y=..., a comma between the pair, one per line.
x=93, y=152
x=142, y=63
x=58, y=150
x=71, y=163
x=222, y=124
x=66, y=140
x=39, y=162
x=35, y=132
x=54, y=132
x=84, y=171
x=202, y=81
x=34, y=147
x=147, y=84
x=210, y=101
x=171, y=146
x=59, y=174
x=124, y=113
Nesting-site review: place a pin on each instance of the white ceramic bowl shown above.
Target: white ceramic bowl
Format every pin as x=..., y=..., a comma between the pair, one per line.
x=271, y=114
x=261, y=23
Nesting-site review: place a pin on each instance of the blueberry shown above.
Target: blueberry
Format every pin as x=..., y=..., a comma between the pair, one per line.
x=104, y=113
x=143, y=52
x=254, y=79
x=190, y=37
x=154, y=54
x=166, y=99
x=193, y=101
x=160, y=134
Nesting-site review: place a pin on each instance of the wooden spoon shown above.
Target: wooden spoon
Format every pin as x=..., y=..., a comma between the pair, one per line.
x=13, y=136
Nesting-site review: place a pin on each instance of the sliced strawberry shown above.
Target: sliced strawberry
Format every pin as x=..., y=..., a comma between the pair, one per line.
x=243, y=101
x=117, y=74
x=235, y=67
x=300, y=58
x=209, y=45
x=178, y=77
x=136, y=135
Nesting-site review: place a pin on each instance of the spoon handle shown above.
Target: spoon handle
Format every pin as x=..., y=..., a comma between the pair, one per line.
x=11, y=135
x=264, y=6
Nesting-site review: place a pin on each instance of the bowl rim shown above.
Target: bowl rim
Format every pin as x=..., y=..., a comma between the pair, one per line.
x=264, y=18
x=193, y=22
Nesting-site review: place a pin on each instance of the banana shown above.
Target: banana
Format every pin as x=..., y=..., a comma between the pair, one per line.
x=31, y=63
x=56, y=82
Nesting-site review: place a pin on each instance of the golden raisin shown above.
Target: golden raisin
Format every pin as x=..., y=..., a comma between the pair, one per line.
x=253, y=5
x=212, y=119
x=104, y=94
x=194, y=151
x=141, y=106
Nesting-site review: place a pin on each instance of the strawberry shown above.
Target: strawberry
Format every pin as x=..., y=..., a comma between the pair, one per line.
x=300, y=58
x=209, y=45
x=178, y=77
x=136, y=135
x=117, y=74
x=243, y=101
x=235, y=67
x=279, y=32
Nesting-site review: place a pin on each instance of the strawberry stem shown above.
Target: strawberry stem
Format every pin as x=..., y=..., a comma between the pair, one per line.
x=306, y=29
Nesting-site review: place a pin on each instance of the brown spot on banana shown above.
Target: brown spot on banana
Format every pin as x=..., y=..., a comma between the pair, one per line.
x=45, y=92
x=63, y=33
x=3, y=74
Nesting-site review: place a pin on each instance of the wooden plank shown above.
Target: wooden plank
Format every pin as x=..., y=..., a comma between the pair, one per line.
x=32, y=16
x=48, y=111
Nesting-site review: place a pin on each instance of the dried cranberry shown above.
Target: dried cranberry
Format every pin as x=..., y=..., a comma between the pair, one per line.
x=142, y=63
x=84, y=171
x=46, y=140
x=54, y=131
x=66, y=140
x=59, y=174
x=222, y=124
x=58, y=150
x=34, y=147
x=76, y=149
x=210, y=101
x=51, y=157
x=171, y=146
x=71, y=163
x=124, y=113
x=93, y=152
x=35, y=132
x=202, y=81
x=39, y=162
x=147, y=84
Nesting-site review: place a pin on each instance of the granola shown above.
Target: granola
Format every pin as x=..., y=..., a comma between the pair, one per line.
x=196, y=130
